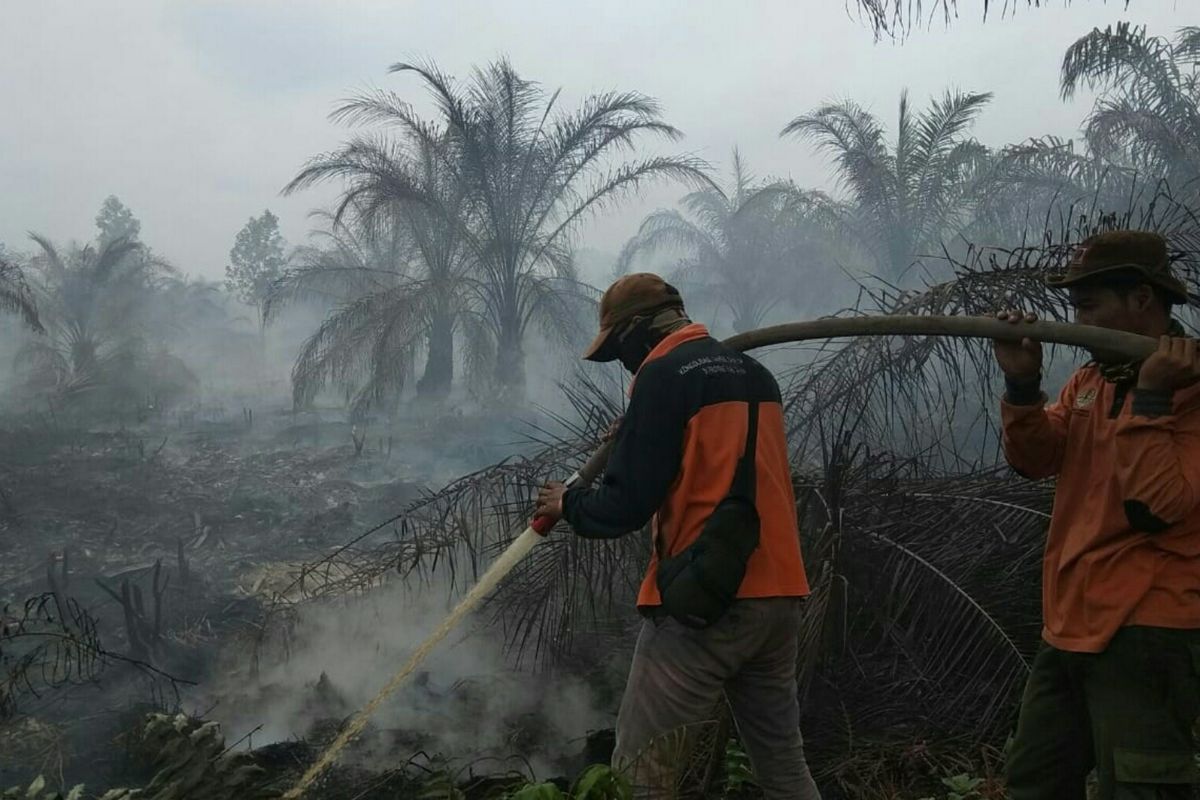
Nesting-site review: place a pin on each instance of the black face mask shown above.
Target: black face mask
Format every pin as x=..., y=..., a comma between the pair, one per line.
x=633, y=348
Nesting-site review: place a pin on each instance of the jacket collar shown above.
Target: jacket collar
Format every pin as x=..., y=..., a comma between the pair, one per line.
x=688, y=333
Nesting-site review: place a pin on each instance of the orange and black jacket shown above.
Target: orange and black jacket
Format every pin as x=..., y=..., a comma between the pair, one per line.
x=674, y=457
x=1123, y=546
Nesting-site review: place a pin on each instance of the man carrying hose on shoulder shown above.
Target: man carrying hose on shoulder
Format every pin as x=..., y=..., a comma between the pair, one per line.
x=1116, y=683
x=701, y=451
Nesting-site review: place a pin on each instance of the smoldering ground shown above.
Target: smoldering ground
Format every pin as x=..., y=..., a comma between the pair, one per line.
x=468, y=701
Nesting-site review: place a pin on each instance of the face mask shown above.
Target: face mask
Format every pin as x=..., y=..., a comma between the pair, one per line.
x=634, y=345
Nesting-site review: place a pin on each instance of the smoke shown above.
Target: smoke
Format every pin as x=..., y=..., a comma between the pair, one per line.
x=466, y=702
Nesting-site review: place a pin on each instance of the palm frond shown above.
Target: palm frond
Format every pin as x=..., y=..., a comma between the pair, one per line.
x=903, y=200
x=109, y=257
x=895, y=18
x=1136, y=130
x=1187, y=44
x=52, y=261
x=855, y=140
x=359, y=258
x=1111, y=56
x=349, y=348
x=1147, y=113
x=939, y=135
x=380, y=174
x=615, y=185
x=560, y=307
x=16, y=297
x=666, y=228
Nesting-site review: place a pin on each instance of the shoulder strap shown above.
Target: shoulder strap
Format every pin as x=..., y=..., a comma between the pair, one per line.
x=744, y=476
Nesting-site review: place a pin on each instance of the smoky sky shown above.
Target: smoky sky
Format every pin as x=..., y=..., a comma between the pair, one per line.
x=196, y=114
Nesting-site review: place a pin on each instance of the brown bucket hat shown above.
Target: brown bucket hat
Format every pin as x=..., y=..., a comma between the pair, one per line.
x=630, y=296
x=1144, y=252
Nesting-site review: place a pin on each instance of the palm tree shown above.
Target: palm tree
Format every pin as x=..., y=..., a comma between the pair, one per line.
x=1143, y=132
x=532, y=174
x=906, y=199
x=93, y=302
x=744, y=248
x=384, y=312
x=1147, y=116
x=403, y=192
x=15, y=295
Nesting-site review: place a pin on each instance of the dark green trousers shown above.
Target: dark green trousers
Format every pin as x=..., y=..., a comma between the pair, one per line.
x=1130, y=712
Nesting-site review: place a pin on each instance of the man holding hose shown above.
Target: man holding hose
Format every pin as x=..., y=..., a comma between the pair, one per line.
x=1116, y=683
x=704, y=424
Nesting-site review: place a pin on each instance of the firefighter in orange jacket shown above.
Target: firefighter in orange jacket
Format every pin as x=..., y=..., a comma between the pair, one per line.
x=695, y=407
x=1116, y=683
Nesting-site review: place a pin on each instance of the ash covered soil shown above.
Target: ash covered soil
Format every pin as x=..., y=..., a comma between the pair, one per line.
x=168, y=537
x=236, y=495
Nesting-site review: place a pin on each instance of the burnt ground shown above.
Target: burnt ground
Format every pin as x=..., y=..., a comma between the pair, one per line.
x=162, y=535
x=235, y=495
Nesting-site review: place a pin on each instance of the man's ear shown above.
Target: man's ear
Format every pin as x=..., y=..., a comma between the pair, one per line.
x=1143, y=297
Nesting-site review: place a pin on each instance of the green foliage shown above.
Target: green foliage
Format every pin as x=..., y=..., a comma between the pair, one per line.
x=538, y=791
x=115, y=221
x=256, y=260
x=597, y=782
x=961, y=787
x=738, y=773
x=601, y=782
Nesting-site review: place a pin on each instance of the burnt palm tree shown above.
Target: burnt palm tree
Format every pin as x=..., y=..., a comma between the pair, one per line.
x=1147, y=116
x=907, y=197
x=15, y=295
x=745, y=249
x=532, y=173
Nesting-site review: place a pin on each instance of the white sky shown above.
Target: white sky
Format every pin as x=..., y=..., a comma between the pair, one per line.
x=196, y=114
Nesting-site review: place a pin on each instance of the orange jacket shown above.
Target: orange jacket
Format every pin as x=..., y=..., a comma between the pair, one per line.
x=675, y=453
x=1124, y=540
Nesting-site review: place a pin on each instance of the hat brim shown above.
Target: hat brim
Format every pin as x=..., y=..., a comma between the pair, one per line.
x=601, y=349
x=1171, y=285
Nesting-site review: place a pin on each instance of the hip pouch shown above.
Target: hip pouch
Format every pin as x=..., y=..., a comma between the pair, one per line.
x=700, y=583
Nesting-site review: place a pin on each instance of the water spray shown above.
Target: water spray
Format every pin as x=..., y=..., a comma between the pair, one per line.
x=1127, y=345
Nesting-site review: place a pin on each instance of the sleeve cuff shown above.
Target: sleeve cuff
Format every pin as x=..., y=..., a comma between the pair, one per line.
x=568, y=496
x=1023, y=393
x=1150, y=403
x=570, y=504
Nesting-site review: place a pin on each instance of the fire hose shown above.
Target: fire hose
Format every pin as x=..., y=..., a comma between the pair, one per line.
x=1126, y=345
x=1129, y=345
